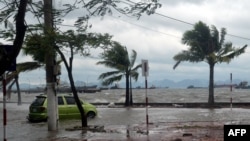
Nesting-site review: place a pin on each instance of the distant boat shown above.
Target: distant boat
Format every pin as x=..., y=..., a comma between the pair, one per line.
x=64, y=89
x=193, y=87
x=242, y=85
x=104, y=88
x=152, y=87
x=91, y=90
x=115, y=87
x=91, y=86
x=190, y=87
x=224, y=85
x=138, y=87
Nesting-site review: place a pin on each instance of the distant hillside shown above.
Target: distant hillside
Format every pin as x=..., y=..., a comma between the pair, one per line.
x=181, y=84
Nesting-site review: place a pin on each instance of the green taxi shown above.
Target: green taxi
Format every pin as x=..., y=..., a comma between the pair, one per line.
x=67, y=108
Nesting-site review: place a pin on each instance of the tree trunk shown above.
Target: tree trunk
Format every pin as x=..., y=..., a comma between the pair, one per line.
x=5, y=62
x=72, y=84
x=78, y=102
x=15, y=80
x=211, y=85
x=127, y=90
x=130, y=94
x=19, y=101
x=9, y=88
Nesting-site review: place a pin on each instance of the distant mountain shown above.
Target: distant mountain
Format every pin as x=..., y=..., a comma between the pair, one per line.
x=82, y=83
x=26, y=86
x=234, y=81
x=195, y=82
x=171, y=84
x=181, y=84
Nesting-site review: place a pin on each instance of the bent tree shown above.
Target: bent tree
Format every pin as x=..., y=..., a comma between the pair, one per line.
x=7, y=58
x=117, y=58
x=67, y=45
x=37, y=9
x=79, y=42
x=208, y=45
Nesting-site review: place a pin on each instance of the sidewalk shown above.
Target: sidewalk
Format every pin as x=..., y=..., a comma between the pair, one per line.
x=188, y=131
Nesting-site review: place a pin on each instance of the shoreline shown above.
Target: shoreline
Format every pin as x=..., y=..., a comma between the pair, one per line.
x=181, y=105
x=168, y=105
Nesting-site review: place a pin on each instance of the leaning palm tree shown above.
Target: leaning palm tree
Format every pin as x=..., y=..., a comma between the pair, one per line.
x=118, y=59
x=12, y=77
x=208, y=45
x=36, y=53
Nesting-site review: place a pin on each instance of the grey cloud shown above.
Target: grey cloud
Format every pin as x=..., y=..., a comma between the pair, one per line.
x=177, y=2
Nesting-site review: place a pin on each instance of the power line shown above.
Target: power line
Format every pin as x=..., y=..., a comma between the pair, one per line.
x=168, y=17
x=185, y=22
x=174, y=19
x=149, y=28
x=237, y=36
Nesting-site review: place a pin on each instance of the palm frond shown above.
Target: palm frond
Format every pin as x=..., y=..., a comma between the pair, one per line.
x=111, y=80
x=108, y=74
x=232, y=53
x=132, y=58
x=227, y=48
x=237, y=52
x=176, y=64
x=107, y=63
x=198, y=39
x=215, y=46
x=223, y=33
x=134, y=75
x=28, y=66
x=137, y=67
x=188, y=56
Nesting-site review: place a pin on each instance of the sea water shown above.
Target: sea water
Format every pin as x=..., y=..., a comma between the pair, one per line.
x=165, y=95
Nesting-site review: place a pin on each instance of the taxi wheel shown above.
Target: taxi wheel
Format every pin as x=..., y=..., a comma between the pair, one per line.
x=91, y=114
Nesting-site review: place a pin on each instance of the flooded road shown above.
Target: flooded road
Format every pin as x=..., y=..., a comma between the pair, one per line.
x=18, y=128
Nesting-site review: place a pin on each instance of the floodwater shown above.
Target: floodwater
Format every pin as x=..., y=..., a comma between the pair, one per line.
x=19, y=129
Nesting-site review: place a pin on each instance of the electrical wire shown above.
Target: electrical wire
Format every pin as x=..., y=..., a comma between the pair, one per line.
x=188, y=23
x=147, y=28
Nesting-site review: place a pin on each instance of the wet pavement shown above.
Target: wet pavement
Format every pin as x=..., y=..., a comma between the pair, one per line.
x=121, y=123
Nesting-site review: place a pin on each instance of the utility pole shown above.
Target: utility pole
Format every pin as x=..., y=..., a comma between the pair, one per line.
x=145, y=73
x=50, y=67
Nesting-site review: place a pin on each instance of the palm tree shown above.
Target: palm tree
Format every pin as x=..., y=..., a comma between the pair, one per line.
x=12, y=77
x=205, y=44
x=117, y=58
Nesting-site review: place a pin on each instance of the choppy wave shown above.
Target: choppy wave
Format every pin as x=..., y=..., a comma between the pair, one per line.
x=156, y=95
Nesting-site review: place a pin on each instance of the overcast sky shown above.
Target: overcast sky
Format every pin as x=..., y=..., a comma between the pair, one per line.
x=157, y=39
